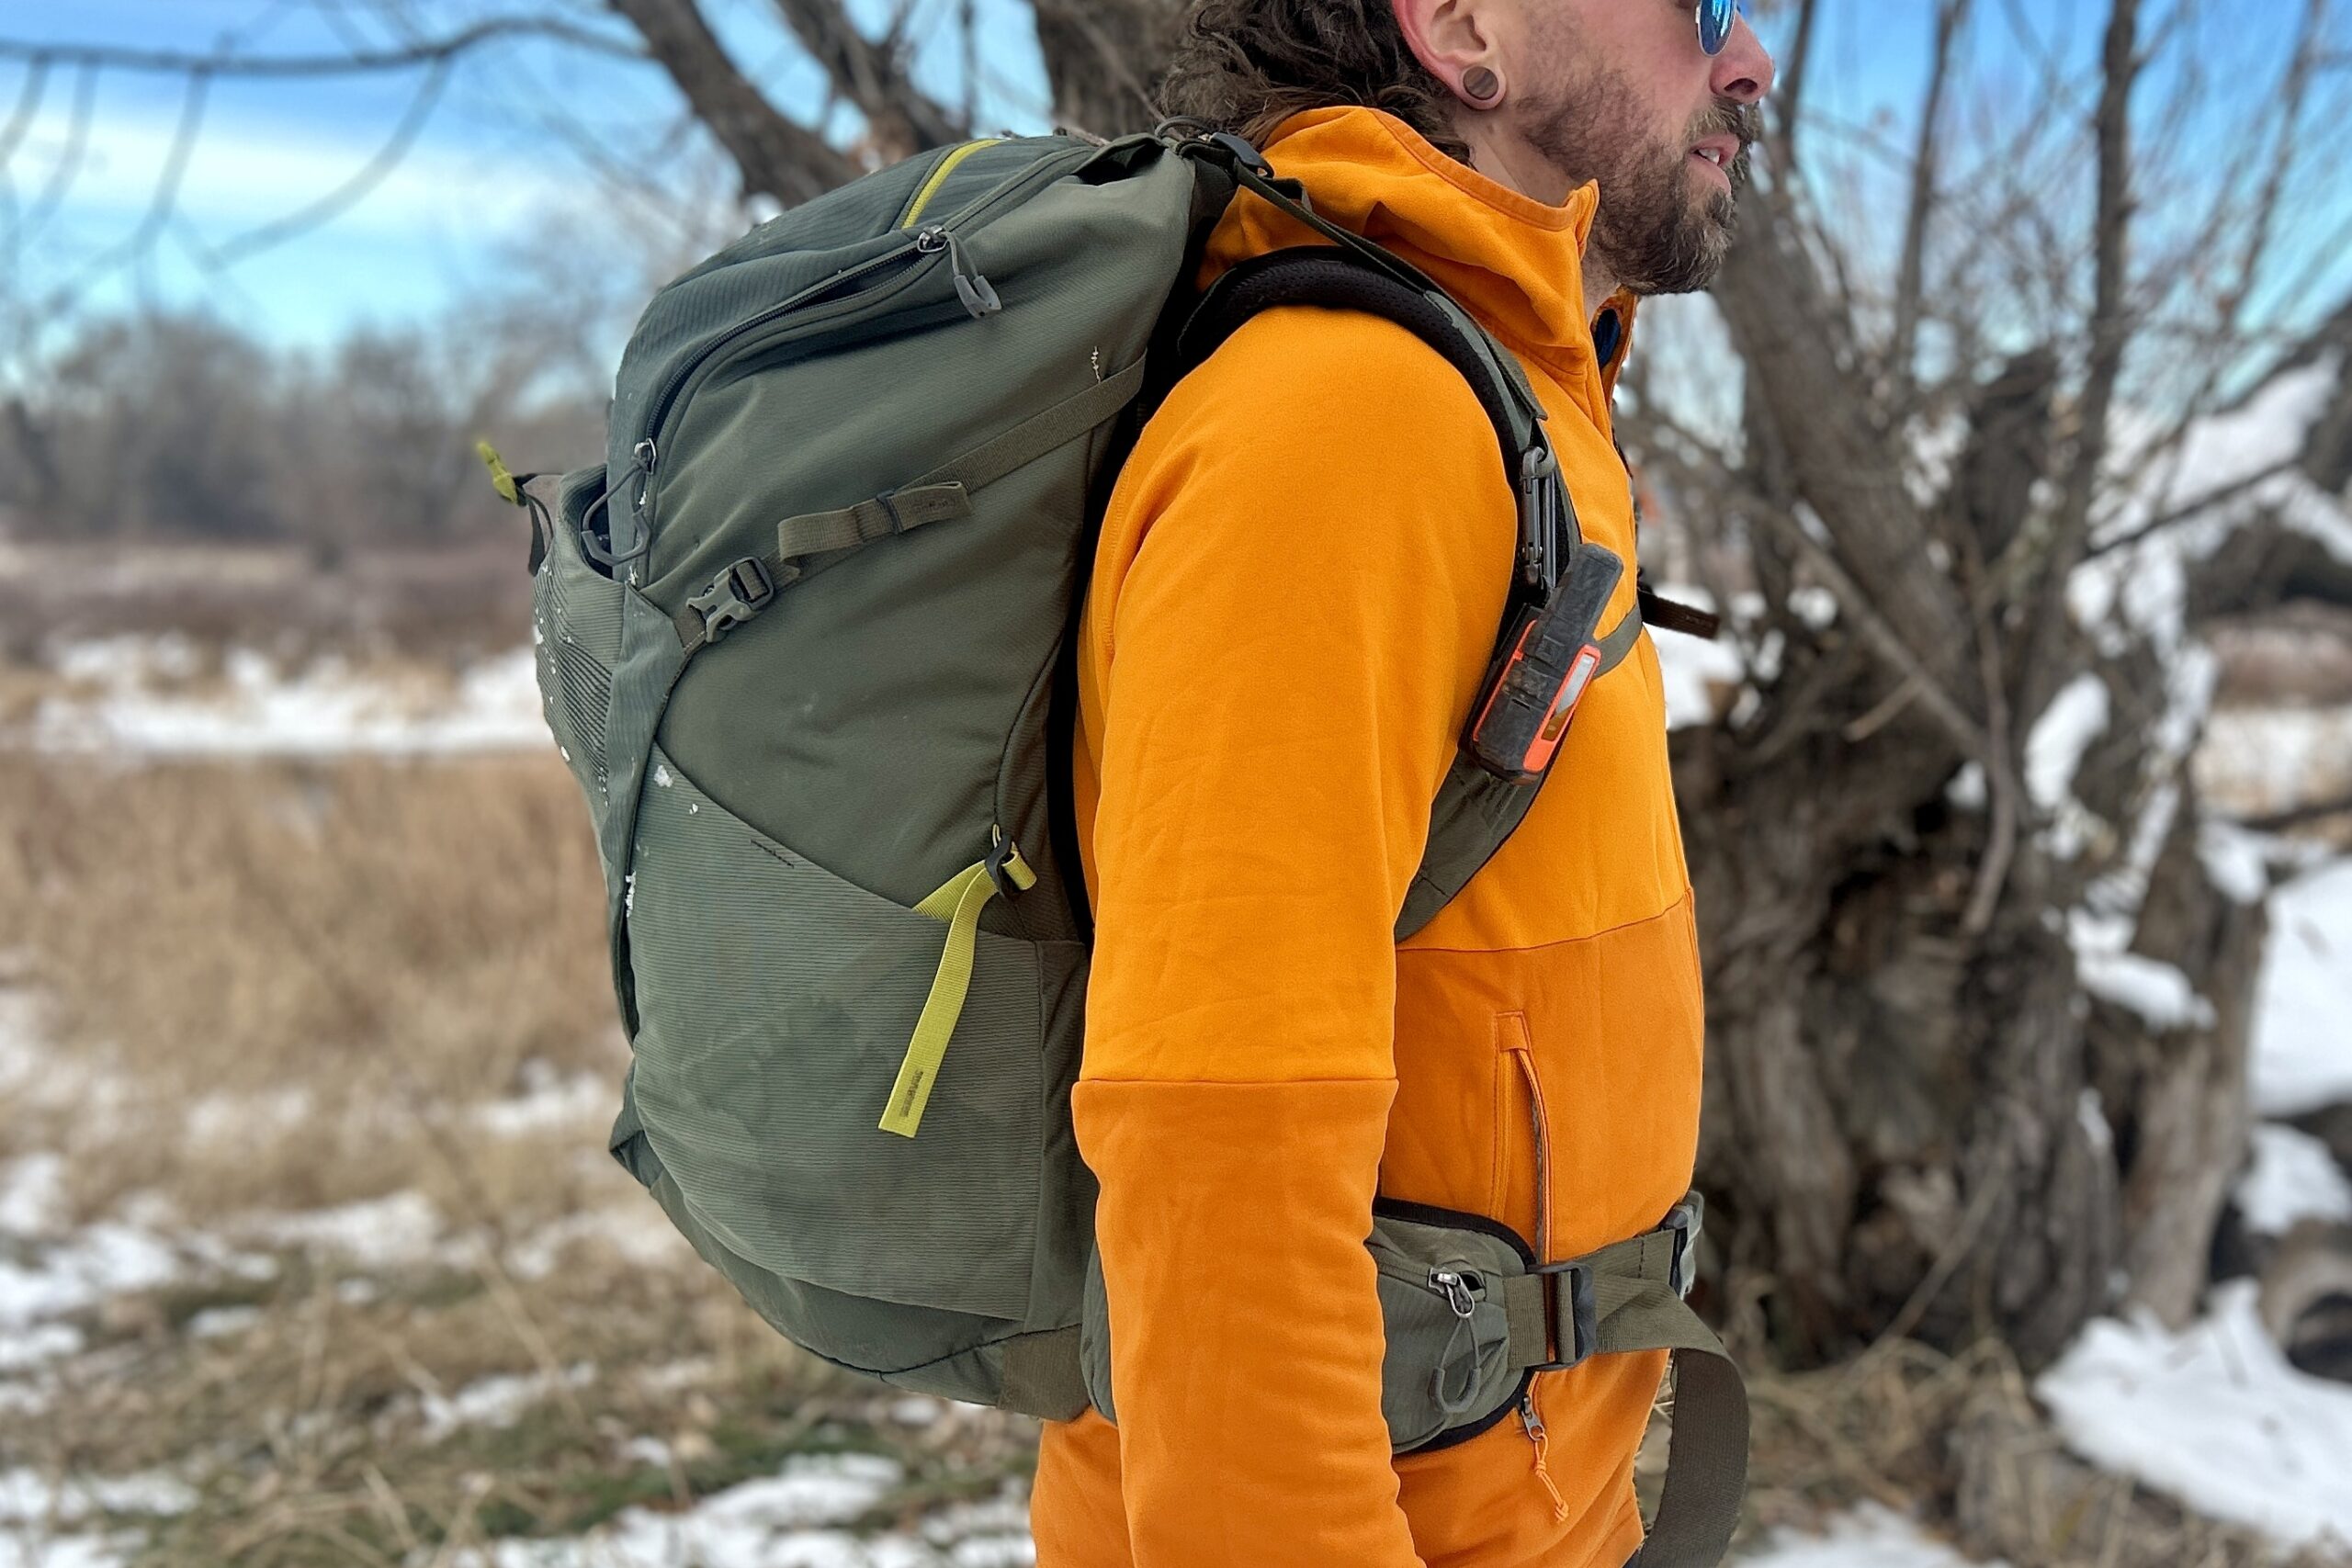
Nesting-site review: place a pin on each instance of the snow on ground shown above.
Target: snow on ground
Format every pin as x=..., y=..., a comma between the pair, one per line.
x=791, y=1519
x=1870, y=1537
x=131, y=696
x=2303, y=1031
x=34, y=1508
x=2294, y=1178
x=2259, y=761
x=2214, y=1417
x=498, y=1401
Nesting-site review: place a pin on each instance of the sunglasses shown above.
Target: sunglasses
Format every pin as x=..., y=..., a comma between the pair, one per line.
x=1716, y=18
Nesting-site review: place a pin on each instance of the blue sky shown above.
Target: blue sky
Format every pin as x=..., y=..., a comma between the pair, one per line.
x=497, y=162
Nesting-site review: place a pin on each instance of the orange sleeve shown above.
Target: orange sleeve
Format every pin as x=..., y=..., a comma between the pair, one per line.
x=1306, y=564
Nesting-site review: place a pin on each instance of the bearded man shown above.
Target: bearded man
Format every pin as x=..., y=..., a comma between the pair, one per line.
x=1293, y=607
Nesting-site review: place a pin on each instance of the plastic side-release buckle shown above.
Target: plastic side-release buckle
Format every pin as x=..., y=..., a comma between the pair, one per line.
x=736, y=595
x=1583, y=1319
x=1685, y=1221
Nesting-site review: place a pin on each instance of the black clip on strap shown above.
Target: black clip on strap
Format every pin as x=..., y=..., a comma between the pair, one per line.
x=737, y=594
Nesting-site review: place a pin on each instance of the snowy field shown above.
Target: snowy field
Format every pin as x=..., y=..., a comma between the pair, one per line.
x=2213, y=1416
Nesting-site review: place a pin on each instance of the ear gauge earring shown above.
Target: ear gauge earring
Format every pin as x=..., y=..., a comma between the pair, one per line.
x=1482, y=88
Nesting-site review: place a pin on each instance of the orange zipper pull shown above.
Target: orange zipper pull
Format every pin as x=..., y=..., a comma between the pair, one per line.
x=1535, y=1424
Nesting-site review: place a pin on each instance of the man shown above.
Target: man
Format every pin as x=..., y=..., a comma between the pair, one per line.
x=1299, y=583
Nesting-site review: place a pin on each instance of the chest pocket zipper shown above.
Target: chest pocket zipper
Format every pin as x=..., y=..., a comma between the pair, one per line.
x=1525, y=1091
x=1519, y=1047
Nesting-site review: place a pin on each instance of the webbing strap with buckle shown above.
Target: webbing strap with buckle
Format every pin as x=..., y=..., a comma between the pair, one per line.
x=1629, y=1297
x=943, y=495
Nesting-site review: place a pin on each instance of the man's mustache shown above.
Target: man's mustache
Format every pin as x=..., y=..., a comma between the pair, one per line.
x=1729, y=118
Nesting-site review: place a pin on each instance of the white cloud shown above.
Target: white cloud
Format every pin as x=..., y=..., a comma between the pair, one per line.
x=247, y=170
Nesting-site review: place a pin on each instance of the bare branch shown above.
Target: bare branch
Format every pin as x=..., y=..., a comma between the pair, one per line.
x=2173, y=517
x=776, y=155
x=904, y=119
x=344, y=197
x=1801, y=352
x=2109, y=335
x=1952, y=18
x=1788, y=101
x=357, y=63
x=166, y=200
x=1884, y=639
x=20, y=119
x=69, y=161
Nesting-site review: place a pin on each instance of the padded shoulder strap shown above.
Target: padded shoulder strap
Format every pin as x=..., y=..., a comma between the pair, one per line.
x=1476, y=813
x=1334, y=279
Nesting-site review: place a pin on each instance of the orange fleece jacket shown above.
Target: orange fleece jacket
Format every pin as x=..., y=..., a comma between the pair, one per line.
x=1300, y=580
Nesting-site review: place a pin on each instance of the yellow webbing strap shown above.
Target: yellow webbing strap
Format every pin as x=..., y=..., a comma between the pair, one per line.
x=499, y=479
x=959, y=903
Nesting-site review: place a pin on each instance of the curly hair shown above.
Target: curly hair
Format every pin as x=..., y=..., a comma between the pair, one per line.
x=1247, y=65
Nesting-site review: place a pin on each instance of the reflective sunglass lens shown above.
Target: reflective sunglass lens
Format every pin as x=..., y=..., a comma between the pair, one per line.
x=1716, y=18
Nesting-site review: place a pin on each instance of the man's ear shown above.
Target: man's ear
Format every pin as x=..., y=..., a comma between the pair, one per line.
x=1448, y=37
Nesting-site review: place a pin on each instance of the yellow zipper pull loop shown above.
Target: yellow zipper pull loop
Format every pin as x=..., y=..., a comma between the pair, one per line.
x=958, y=904
x=1535, y=1433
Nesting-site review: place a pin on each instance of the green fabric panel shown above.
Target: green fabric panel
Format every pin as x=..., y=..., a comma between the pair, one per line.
x=1434, y=1359
x=1042, y=1375
x=1523, y=1300
x=1067, y=1191
x=776, y=1002
x=947, y=1354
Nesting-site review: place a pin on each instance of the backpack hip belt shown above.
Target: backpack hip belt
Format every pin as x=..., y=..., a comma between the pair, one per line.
x=1472, y=1318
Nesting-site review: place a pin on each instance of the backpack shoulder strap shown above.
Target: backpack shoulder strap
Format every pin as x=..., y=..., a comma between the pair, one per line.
x=1476, y=812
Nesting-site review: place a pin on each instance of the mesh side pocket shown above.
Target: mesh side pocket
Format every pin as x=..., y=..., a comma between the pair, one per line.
x=576, y=630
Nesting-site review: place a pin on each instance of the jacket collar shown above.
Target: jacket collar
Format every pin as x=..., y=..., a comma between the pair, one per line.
x=1512, y=262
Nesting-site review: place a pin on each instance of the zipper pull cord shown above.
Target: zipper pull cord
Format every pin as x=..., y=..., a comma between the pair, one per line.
x=978, y=293
x=1535, y=1433
x=1457, y=1293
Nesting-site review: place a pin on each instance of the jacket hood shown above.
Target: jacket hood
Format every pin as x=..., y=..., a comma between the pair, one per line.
x=1512, y=262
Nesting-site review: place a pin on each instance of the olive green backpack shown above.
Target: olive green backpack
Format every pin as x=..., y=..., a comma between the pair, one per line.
x=805, y=641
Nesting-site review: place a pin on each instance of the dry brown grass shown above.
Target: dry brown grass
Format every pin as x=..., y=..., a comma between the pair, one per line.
x=449, y=603
x=350, y=949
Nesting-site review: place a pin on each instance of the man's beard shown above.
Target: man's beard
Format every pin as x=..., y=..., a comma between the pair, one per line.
x=1652, y=233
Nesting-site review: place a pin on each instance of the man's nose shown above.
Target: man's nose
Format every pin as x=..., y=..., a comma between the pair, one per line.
x=1743, y=71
